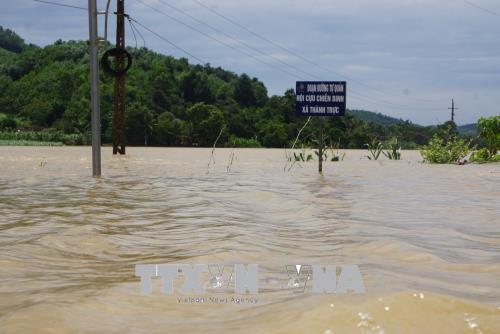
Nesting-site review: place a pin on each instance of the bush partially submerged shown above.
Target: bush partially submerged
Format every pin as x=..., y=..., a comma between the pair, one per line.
x=489, y=131
x=394, y=150
x=484, y=155
x=439, y=151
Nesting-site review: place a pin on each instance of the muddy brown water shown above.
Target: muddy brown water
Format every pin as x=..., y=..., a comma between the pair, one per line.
x=426, y=239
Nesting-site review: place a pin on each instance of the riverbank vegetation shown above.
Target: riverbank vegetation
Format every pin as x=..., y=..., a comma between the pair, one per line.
x=447, y=147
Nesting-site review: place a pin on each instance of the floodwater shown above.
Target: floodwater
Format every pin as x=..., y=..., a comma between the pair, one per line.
x=426, y=239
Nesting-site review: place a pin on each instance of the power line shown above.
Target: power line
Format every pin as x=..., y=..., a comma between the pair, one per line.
x=274, y=43
x=133, y=32
x=354, y=94
x=134, y=29
x=481, y=8
x=377, y=101
x=168, y=41
x=291, y=52
x=137, y=31
x=237, y=40
x=219, y=41
x=60, y=4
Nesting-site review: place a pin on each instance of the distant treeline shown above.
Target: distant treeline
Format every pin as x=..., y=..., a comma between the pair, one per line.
x=169, y=102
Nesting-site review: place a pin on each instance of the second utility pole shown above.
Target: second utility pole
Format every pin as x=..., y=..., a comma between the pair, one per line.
x=119, y=112
x=453, y=108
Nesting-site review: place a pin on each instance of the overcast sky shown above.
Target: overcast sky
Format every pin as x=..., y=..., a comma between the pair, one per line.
x=403, y=58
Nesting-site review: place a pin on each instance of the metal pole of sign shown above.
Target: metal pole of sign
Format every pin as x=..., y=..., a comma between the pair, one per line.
x=320, y=148
x=94, y=91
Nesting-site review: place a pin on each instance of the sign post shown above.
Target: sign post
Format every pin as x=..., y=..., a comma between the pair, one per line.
x=320, y=98
x=320, y=146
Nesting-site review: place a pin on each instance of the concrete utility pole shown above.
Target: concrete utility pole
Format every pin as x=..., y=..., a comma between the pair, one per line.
x=94, y=91
x=119, y=112
x=453, y=108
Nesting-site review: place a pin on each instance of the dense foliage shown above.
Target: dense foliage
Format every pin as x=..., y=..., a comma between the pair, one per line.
x=441, y=151
x=489, y=131
x=168, y=102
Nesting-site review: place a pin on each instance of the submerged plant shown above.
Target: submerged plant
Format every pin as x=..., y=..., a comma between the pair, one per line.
x=375, y=149
x=212, y=154
x=293, y=160
x=335, y=152
x=302, y=156
x=440, y=152
x=484, y=155
x=232, y=158
x=489, y=130
x=394, y=152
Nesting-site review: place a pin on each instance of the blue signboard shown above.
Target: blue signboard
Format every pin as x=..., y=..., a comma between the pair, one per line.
x=320, y=98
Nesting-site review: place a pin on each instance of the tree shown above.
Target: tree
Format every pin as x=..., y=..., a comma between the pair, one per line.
x=169, y=130
x=170, y=102
x=447, y=131
x=7, y=123
x=9, y=40
x=207, y=121
x=243, y=91
x=138, y=124
x=489, y=130
x=273, y=134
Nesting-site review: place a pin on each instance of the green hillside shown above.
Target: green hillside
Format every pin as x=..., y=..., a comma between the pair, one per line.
x=376, y=118
x=169, y=102
x=468, y=129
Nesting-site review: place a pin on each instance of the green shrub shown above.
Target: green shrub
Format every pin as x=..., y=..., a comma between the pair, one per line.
x=440, y=152
x=29, y=143
x=484, y=155
x=489, y=130
x=45, y=136
x=7, y=123
x=244, y=142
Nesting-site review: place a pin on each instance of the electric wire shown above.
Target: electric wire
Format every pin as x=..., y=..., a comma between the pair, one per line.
x=481, y=8
x=295, y=54
x=221, y=42
x=236, y=39
x=168, y=41
x=134, y=29
x=60, y=4
x=355, y=95
x=133, y=32
x=360, y=95
x=366, y=97
x=138, y=33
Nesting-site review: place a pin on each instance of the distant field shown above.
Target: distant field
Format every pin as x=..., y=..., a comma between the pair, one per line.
x=29, y=143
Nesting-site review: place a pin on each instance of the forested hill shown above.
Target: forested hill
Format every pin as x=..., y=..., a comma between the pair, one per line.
x=377, y=118
x=169, y=102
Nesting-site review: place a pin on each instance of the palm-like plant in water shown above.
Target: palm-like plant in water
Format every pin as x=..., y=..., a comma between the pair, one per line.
x=335, y=152
x=303, y=156
x=394, y=152
x=375, y=149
